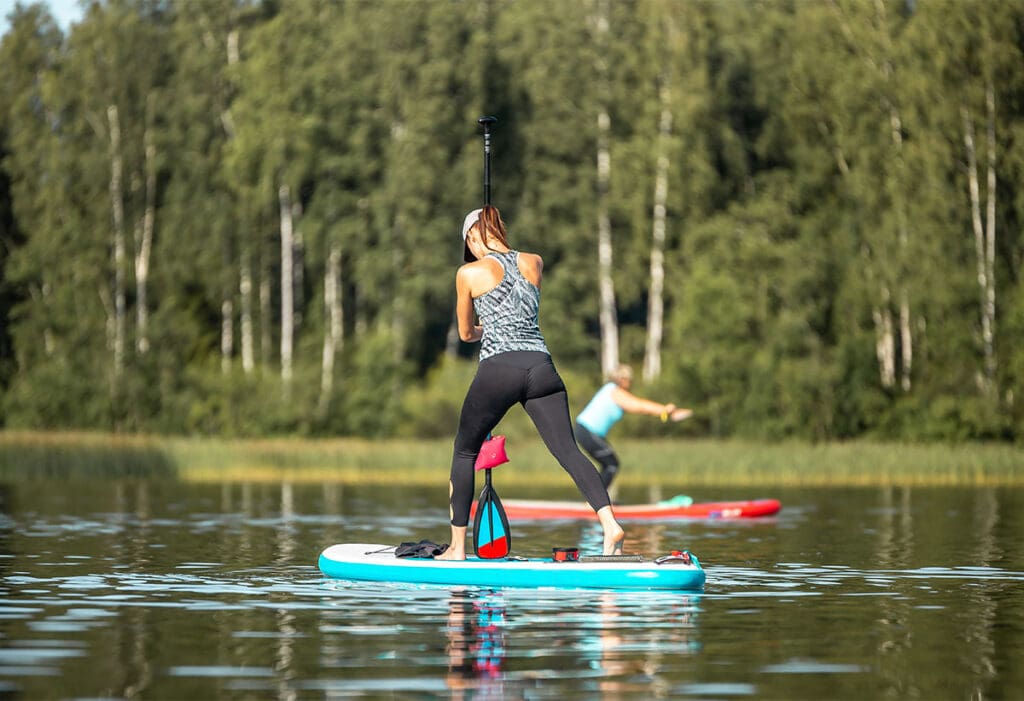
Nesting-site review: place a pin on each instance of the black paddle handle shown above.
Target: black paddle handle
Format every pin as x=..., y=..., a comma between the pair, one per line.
x=487, y=123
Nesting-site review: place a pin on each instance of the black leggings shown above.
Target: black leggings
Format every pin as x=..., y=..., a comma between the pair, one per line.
x=599, y=449
x=528, y=378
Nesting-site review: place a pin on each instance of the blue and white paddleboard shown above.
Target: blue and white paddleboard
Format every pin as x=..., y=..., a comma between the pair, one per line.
x=377, y=563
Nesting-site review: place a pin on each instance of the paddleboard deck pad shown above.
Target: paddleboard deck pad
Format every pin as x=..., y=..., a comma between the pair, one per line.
x=528, y=509
x=377, y=563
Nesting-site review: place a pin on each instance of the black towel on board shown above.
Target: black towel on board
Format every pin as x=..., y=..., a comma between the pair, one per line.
x=424, y=548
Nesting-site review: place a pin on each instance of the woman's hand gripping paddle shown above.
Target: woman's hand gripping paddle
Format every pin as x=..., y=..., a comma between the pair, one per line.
x=492, y=538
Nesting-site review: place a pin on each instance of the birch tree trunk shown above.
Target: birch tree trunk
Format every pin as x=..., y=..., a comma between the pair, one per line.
x=897, y=183
x=245, y=318
x=298, y=267
x=227, y=326
x=990, y=244
x=906, y=342
x=885, y=342
x=226, y=119
x=333, y=338
x=984, y=241
x=903, y=240
x=266, y=341
x=655, y=297
x=227, y=313
x=607, y=314
x=399, y=302
x=120, y=244
x=885, y=346
x=287, y=285
x=144, y=238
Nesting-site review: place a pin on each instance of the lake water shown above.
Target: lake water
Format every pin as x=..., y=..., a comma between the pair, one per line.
x=161, y=589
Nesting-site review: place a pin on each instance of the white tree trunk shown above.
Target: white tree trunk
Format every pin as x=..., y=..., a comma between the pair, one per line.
x=298, y=267
x=334, y=335
x=287, y=285
x=903, y=240
x=882, y=315
x=399, y=302
x=885, y=347
x=245, y=320
x=144, y=242
x=655, y=296
x=226, y=120
x=607, y=314
x=983, y=242
x=906, y=342
x=990, y=244
x=227, y=331
x=120, y=244
x=227, y=305
x=266, y=341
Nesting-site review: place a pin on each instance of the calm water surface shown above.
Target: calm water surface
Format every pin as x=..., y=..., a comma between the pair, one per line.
x=159, y=589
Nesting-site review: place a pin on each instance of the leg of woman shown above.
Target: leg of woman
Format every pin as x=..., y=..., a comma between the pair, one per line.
x=599, y=449
x=550, y=414
x=493, y=391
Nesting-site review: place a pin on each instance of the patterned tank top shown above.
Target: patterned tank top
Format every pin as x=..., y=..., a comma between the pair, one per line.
x=508, y=313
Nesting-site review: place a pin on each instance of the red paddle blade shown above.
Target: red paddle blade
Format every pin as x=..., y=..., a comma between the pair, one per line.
x=492, y=538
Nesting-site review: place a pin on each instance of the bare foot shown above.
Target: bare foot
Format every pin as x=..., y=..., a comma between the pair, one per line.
x=613, y=539
x=457, y=550
x=450, y=554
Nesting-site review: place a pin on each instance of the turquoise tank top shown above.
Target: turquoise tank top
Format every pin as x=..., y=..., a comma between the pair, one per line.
x=601, y=413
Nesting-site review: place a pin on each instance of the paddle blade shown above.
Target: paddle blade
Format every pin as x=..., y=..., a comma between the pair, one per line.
x=492, y=538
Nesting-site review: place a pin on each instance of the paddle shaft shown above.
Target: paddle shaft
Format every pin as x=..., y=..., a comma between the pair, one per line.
x=487, y=123
x=490, y=492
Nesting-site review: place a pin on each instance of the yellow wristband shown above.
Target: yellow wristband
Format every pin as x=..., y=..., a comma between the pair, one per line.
x=664, y=416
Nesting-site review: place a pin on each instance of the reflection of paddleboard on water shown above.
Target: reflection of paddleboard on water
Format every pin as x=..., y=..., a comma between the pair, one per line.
x=378, y=563
x=675, y=508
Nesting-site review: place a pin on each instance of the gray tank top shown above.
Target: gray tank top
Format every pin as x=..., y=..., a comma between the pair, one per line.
x=508, y=313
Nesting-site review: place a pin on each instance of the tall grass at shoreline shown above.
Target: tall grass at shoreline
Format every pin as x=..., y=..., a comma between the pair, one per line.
x=671, y=462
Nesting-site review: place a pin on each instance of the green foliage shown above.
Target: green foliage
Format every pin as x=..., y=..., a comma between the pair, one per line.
x=821, y=274
x=431, y=409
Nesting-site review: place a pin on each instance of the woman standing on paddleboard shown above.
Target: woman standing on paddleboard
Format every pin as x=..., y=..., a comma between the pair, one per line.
x=605, y=410
x=501, y=287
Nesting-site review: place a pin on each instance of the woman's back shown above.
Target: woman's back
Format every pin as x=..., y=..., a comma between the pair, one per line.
x=509, y=312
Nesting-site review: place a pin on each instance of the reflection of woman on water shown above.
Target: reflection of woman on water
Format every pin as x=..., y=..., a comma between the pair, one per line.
x=476, y=639
x=501, y=287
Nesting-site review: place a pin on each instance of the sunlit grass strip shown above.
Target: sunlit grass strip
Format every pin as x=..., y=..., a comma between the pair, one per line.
x=679, y=463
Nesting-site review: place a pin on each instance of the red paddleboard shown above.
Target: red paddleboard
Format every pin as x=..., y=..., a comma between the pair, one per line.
x=527, y=509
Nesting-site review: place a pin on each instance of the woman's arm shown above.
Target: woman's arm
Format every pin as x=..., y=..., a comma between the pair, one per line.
x=469, y=330
x=637, y=405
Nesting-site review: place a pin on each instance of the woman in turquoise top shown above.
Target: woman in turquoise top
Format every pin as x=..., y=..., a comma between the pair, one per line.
x=605, y=410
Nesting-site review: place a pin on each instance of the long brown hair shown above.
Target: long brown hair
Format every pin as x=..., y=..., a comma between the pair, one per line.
x=492, y=225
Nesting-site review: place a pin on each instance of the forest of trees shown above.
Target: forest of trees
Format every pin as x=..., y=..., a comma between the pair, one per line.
x=233, y=217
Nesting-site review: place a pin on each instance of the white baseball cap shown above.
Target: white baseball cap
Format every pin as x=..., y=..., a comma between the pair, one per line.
x=467, y=224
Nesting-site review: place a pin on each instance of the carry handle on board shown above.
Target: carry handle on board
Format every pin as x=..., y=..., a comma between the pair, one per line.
x=492, y=538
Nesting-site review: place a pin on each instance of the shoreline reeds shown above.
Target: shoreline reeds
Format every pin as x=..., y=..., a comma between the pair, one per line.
x=26, y=455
